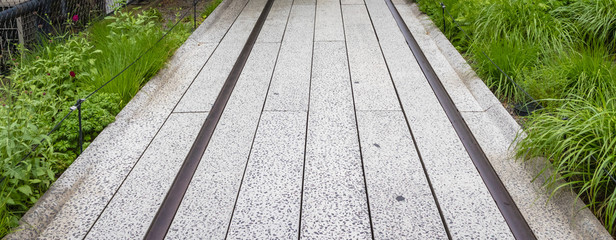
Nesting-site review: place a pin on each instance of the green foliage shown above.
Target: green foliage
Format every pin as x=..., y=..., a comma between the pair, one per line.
x=140, y=32
x=593, y=20
x=210, y=8
x=524, y=20
x=579, y=139
x=589, y=73
x=513, y=56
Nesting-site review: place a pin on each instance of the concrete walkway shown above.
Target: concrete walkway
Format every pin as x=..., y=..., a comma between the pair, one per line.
x=332, y=131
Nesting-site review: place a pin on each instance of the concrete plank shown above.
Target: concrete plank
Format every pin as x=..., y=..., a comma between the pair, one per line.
x=468, y=207
x=274, y=25
x=328, y=23
x=291, y=81
x=203, y=92
x=84, y=189
x=301, y=23
x=208, y=203
x=334, y=196
x=133, y=207
x=372, y=85
x=352, y=2
x=268, y=205
x=459, y=93
x=217, y=24
x=401, y=203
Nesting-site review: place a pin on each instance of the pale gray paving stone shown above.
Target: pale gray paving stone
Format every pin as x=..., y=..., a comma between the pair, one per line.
x=467, y=206
x=301, y=22
x=215, y=32
x=203, y=92
x=208, y=203
x=459, y=93
x=274, y=25
x=304, y=2
x=291, y=81
x=88, y=185
x=268, y=205
x=372, y=85
x=328, y=23
x=401, y=203
x=352, y=2
x=133, y=207
x=334, y=197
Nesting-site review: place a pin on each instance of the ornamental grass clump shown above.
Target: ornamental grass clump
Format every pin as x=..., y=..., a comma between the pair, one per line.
x=122, y=38
x=579, y=139
x=594, y=21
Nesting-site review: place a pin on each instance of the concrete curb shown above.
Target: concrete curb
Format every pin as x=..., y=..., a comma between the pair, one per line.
x=558, y=218
x=156, y=95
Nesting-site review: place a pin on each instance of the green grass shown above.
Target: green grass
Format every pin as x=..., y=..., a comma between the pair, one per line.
x=579, y=140
x=121, y=45
x=594, y=21
x=210, y=8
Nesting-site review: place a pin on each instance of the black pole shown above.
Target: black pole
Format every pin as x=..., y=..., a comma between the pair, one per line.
x=444, y=25
x=78, y=104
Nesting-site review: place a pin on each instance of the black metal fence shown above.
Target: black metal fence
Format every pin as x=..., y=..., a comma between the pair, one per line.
x=25, y=22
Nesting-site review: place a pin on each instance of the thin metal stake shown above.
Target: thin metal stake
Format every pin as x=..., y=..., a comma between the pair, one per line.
x=78, y=107
x=444, y=25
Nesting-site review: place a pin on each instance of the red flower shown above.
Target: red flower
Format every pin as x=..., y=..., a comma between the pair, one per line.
x=48, y=74
x=75, y=18
x=44, y=93
x=72, y=74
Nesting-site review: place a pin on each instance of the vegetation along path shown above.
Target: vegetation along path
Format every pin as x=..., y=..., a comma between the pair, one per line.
x=313, y=119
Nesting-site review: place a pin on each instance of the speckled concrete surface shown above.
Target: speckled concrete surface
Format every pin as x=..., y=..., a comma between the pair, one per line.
x=136, y=202
x=204, y=90
x=466, y=203
x=291, y=81
x=313, y=143
x=334, y=199
x=268, y=205
x=401, y=204
x=276, y=22
x=208, y=202
x=328, y=23
x=371, y=82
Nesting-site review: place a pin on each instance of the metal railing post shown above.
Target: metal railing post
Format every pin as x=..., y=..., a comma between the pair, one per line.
x=444, y=24
x=77, y=107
